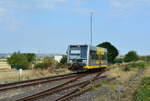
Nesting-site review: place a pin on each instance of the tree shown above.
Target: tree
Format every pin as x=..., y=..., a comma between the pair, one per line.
x=18, y=60
x=30, y=56
x=131, y=56
x=21, y=60
x=112, y=51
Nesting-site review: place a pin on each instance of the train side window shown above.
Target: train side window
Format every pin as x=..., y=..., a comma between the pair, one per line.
x=93, y=55
x=103, y=57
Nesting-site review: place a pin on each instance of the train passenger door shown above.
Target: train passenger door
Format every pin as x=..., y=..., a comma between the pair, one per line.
x=102, y=56
x=93, y=57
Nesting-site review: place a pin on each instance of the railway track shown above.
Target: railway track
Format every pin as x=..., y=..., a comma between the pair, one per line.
x=72, y=84
x=81, y=90
x=78, y=90
x=9, y=86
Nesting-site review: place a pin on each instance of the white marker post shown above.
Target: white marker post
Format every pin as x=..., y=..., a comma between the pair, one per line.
x=20, y=74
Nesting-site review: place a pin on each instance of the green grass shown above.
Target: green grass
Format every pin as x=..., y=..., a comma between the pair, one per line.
x=143, y=92
x=138, y=64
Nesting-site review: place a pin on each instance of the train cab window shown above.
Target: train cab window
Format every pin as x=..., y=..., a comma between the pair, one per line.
x=75, y=53
x=78, y=52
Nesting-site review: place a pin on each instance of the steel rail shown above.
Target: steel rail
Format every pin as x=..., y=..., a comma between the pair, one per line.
x=26, y=81
x=63, y=98
x=79, y=92
x=58, y=88
x=50, y=91
x=35, y=82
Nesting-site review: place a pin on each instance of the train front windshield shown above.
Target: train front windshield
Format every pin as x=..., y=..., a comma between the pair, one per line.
x=78, y=52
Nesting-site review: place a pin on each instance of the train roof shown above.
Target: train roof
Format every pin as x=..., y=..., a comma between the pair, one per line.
x=86, y=45
x=78, y=45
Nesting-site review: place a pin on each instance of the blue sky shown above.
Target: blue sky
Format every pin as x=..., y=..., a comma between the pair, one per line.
x=49, y=26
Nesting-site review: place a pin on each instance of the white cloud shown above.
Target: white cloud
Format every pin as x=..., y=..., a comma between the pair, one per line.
x=79, y=7
x=123, y=4
x=10, y=23
x=3, y=10
x=83, y=11
x=123, y=7
x=129, y=3
x=8, y=8
x=48, y=4
x=15, y=5
x=35, y=3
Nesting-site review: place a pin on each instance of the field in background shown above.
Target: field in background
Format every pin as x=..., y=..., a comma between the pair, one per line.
x=4, y=64
x=12, y=75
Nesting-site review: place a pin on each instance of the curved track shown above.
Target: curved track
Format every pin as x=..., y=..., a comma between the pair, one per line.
x=65, y=86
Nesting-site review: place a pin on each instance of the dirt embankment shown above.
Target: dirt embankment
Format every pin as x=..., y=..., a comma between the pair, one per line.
x=123, y=88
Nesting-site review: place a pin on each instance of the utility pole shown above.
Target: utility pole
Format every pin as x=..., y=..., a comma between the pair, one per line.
x=91, y=25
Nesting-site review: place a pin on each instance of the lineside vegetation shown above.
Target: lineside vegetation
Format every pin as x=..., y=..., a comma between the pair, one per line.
x=21, y=60
x=143, y=92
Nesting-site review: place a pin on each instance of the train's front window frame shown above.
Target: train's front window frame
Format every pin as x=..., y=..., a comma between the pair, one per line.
x=75, y=53
x=78, y=53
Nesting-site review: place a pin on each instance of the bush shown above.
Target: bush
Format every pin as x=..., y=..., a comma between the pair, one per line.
x=39, y=66
x=64, y=59
x=118, y=60
x=126, y=68
x=143, y=92
x=138, y=64
x=47, y=63
x=50, y=63
x=21, y=60
x=60, y=65
x=145, y=58
x=131, y=56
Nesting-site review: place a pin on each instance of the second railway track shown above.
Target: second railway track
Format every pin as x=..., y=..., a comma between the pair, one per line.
x=72, y=84
x=65, y=87
x=10, y=86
